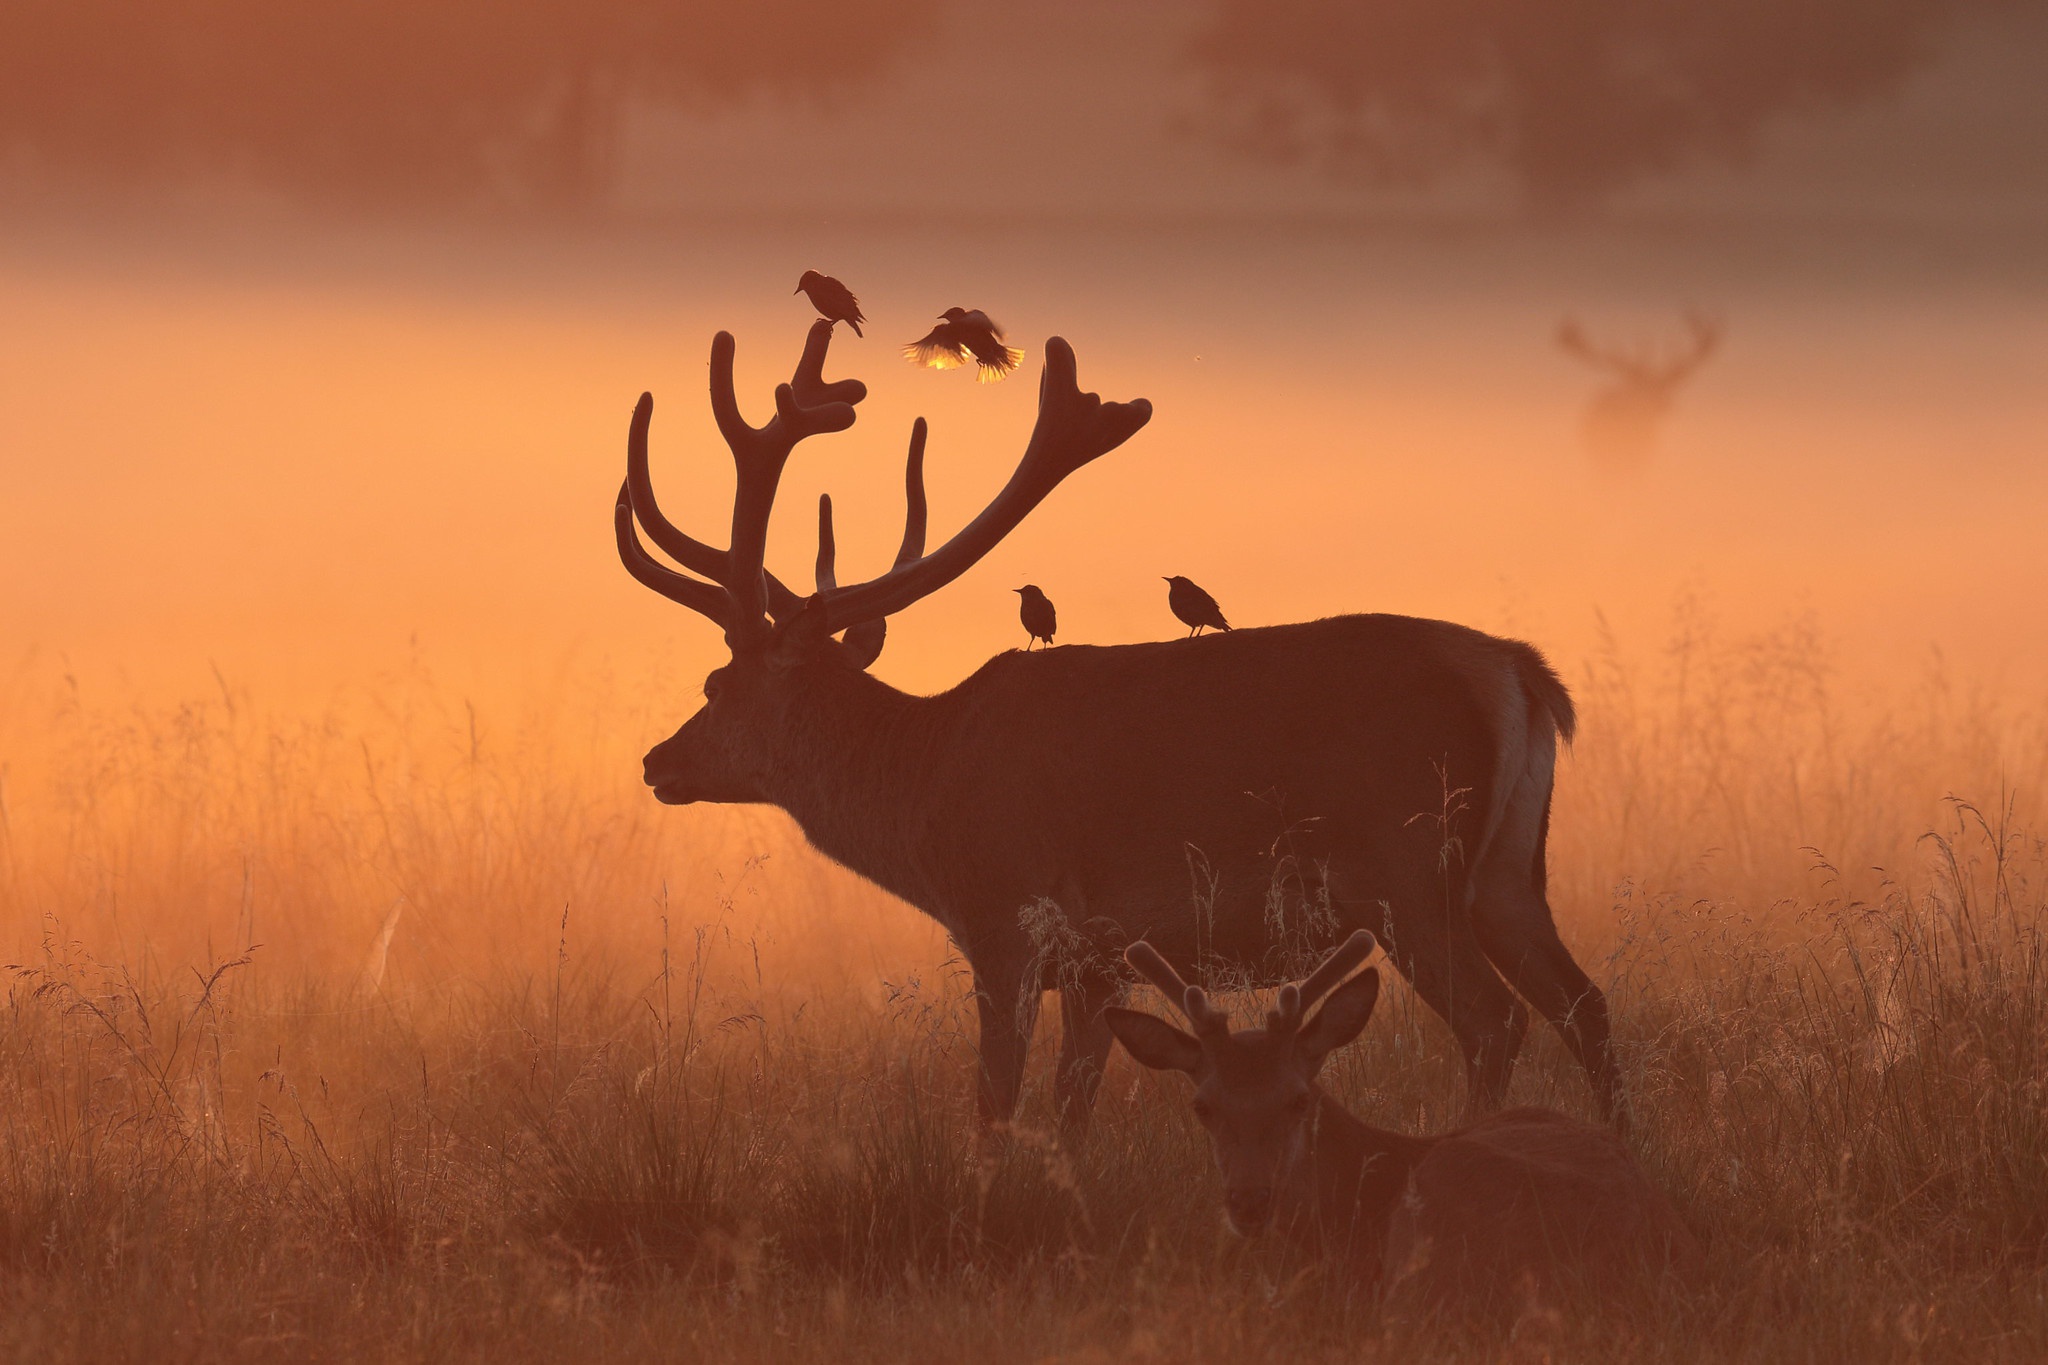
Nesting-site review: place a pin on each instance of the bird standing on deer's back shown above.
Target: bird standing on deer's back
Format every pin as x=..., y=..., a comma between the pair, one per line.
x=833, y=300
x=1036, y=613
x=962, y=333
x=1194, y=607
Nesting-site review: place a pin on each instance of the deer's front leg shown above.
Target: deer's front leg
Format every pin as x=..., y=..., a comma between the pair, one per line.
x=1008, y=1012
x=1084, y=1051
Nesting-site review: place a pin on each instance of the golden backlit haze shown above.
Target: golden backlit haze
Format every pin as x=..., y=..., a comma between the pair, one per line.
x=364, y=1004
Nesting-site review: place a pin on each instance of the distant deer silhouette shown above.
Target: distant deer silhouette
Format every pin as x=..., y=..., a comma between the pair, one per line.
x=1622, y=421
x=1069, y=777
x=1526, y=1199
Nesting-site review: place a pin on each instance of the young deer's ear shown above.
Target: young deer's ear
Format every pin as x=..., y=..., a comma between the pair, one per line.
x=1152, y=1041
x=1342, y=1018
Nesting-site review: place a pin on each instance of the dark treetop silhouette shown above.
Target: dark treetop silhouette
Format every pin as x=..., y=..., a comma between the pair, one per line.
x=394, y=101
x=1573, y=98
x=1470, y=1219
x=963, y=333
x=1065, y=777
x=1036, y=612
x=1195, y=608
x=833, y=300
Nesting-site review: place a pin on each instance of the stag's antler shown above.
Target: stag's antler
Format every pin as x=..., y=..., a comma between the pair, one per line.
x=741, y=593
x=1296, y=1000
x=1072, y=429
x=865, y=640
x=1191, y=1001
x=1645, y=364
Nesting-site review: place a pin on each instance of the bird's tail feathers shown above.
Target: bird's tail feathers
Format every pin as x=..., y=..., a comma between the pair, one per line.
x=854, y=323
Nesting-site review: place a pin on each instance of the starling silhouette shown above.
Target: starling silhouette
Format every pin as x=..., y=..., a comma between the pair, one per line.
x=1194, y=607
x=962, y=334
x=833, y=300
x=1036, y=613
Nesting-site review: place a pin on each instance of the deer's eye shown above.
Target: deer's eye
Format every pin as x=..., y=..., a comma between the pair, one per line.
x=1204, y=1110
x=1298, y=1106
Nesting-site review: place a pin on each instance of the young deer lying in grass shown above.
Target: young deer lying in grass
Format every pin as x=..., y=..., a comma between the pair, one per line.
x=1523, y=1200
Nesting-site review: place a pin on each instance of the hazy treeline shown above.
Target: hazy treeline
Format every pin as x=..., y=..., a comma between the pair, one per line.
x=382, y=100
x=374, y=101
x=1572, y=98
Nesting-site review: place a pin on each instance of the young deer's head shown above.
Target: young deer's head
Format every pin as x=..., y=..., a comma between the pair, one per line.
x=1255, y=1089
x=786, y=646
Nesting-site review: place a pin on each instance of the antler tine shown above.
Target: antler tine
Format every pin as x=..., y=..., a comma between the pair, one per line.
x=706, y=561
x=913, y=498
x=1147, y=962
x=1285, y=1016
x=1343, y=959
x=865, y=638
x=809, y=383
x=707, y=599
x=759, y=454
x=1072, y=428
x=828, y=551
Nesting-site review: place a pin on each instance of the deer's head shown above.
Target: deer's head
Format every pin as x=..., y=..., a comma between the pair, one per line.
x=1255, y=1089
x=784, y=645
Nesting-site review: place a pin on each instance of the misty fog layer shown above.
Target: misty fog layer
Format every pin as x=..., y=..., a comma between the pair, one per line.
x=955, y=111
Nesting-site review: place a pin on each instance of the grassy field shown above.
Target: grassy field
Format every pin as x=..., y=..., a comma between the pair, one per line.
x=392, y=1031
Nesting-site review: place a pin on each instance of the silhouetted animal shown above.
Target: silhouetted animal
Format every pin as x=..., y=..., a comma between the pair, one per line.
x=1194, y=607
x=1065, y=778
x=1036, y=612
x=833, y=300
x=961, y=334
x=1622, y=422
x=1523, y=1202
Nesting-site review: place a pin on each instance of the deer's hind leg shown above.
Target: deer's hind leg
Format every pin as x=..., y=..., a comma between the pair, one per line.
x=1512, y=918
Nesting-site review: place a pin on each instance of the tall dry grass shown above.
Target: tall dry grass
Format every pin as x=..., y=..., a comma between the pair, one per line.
x=405, y=1032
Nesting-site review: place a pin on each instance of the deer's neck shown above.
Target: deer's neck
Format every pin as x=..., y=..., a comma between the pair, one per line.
x=855, y=773
x=1351, y=1176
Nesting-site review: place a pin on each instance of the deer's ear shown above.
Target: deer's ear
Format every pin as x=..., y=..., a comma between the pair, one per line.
x=800, y=636
x=1342, y=1018
x=1152, y=1041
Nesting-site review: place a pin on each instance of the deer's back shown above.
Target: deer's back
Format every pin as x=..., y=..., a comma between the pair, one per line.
x=1140, y=752
x=1532, y=1201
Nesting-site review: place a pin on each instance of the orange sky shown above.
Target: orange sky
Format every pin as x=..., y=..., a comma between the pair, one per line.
x=293, y=474
x=303, y=428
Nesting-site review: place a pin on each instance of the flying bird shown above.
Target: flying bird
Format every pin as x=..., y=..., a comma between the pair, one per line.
x=963, y=333
x=1194, y=607
x=833, y=300
x=1036, y=612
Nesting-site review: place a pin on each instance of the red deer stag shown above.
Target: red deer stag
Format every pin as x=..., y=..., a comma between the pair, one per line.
x=1525, y=1199
x=1102, y=779
x=1623, y=420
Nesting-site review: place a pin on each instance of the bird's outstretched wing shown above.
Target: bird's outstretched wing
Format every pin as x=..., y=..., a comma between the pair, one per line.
x=996, y=363
x=936, y=351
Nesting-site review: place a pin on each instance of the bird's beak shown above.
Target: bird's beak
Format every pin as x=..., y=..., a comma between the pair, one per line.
x=798, y=290
x=1016, y=590
x=1166, y=578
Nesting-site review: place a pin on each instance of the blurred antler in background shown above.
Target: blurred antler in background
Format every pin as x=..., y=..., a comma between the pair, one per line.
x=1624, y=418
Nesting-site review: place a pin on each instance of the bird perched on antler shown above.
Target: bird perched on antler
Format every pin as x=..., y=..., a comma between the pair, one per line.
x=1194, y=607
x=833, y=300
x=1036, y=612
x=964, y=333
